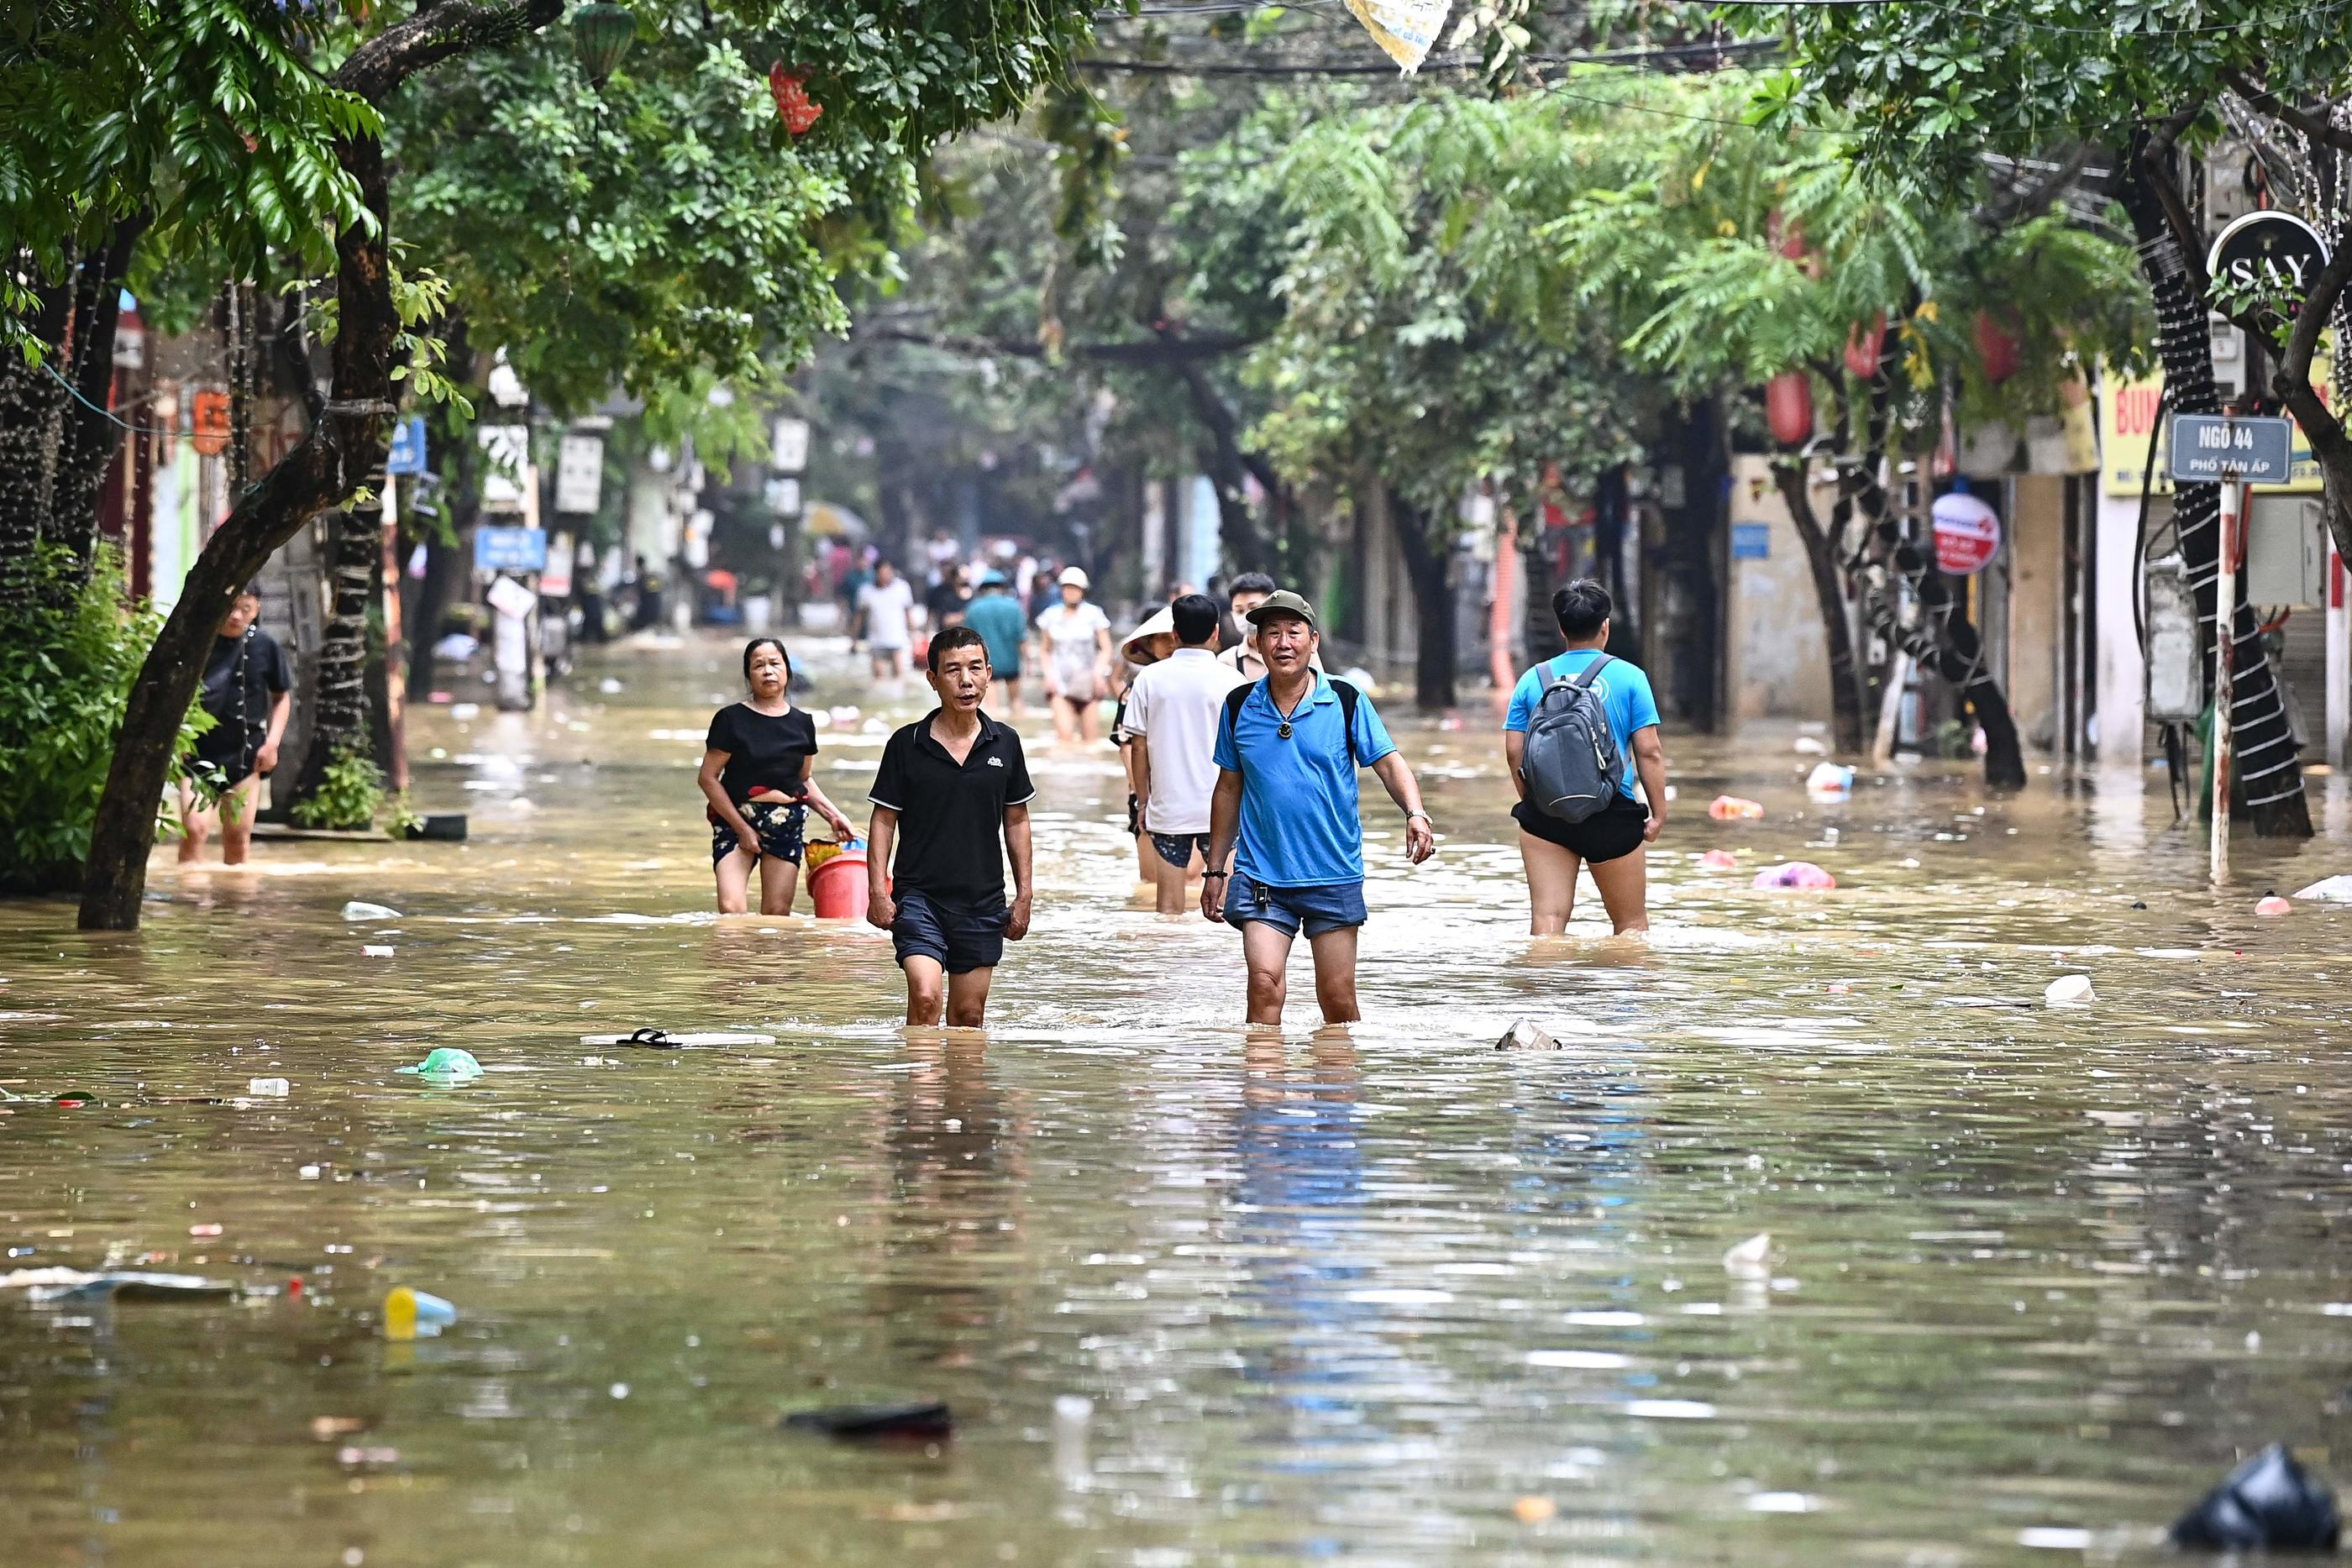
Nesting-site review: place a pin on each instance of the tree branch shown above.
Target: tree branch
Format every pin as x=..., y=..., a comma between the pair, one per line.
x=378, y=66
x=2155, y=163
x=2019, y=200
x=1160, y=351
x=2278, y=109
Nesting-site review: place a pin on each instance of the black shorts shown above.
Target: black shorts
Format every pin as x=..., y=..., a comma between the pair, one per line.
x=1177, y=849
x=1611, y=834
x=219, y=774
x=959, y=937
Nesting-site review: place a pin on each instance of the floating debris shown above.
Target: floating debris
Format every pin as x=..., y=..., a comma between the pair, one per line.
x=2268, y=1503
x=114, y=1285
x=925, y=1419
x=2069, y=991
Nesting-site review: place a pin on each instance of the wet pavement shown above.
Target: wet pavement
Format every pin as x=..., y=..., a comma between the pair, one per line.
x=2035, y=1276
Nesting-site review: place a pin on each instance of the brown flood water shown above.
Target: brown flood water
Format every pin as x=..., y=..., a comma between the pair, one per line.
x=2037, y=1278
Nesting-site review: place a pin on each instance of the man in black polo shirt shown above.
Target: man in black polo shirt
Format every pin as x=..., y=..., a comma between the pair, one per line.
x=951, y=787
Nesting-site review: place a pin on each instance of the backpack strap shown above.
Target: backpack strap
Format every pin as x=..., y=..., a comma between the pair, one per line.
x=1234, y=701
x=1349, y=695
x=1584, y=681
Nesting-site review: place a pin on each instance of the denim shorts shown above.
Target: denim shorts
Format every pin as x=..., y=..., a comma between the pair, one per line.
x=1177, y=849
x=781, y=824
x=1329, y=906
x=959, y=937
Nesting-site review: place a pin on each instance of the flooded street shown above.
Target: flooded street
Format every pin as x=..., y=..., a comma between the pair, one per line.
x=2036, y=1277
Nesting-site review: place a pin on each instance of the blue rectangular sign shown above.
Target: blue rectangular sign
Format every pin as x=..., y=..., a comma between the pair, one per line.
x=1751, y=542
x=509, y=549
x=407, y=447
x=2207, y=448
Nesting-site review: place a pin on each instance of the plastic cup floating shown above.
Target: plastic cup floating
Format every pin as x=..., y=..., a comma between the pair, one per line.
x=410, y=1313
x=447, y=1065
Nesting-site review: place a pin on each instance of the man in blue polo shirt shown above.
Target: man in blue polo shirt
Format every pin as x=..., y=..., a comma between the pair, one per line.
x=1290, y=747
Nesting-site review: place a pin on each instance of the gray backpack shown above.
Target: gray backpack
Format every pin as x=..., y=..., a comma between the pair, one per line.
x=1572, y=764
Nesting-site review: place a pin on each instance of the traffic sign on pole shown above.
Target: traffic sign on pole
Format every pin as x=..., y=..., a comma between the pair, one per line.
x=2207, y=448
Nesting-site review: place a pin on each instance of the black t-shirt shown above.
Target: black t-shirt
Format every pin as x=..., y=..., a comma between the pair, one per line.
x=242, y=677
x=944, y=600
x=764, y=751
x=952, y=815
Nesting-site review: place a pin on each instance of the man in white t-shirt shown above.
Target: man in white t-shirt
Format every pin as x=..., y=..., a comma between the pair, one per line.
x=886, y=606
x=1173, y=710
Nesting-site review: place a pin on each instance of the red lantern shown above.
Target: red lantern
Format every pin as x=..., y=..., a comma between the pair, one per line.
x=1865, y=346
x=1789, y=407
x=1997, y=345
x=793, y=105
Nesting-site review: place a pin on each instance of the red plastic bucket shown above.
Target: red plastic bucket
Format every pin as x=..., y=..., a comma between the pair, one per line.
x=838, y=887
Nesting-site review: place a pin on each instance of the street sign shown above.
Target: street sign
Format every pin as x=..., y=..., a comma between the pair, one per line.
x=1751, y=542
x=506, y=453
x=2268, y=256
x=1967, y=534
x=2207, y=448
x=788, y=452
x=407, y=456
x=497, y=549
x=580, y=474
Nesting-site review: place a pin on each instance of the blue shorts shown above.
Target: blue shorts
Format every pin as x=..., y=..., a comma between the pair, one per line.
x=781, y=824
x=959, y=937
x=1177, y=849
x=1329, y=906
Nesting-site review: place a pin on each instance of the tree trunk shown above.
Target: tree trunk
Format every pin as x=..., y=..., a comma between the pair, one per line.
x=341, y=711
x=1428, y=565
x=32, y=414
x=1829, y=597
x=1538, y=626
x=2263, y=742
x=1944, y=639
x=446, y=561
x=348, y=438
x=1228, y=465
x=90, y=438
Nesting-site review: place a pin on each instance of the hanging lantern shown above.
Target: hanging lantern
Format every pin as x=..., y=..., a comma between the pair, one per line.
x=1789, y=407
x=793, y=105
x=601, y=35
x=1997, y=347
x=1864, y=347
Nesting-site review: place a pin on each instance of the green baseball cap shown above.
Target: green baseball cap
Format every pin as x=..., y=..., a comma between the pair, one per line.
x=1282, y=602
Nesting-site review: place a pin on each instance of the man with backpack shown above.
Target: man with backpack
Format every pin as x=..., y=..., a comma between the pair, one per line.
x=1290, y=747
x=1575, y=721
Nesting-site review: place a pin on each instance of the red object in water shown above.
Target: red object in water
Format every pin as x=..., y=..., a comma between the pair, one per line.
x=1864, y=347
x=838, y=887
x=1789, y=407
x=294, y=1286
x=793, y=105
x=1997, y=346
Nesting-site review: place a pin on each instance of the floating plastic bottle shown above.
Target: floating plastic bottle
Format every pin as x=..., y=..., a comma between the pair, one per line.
x=410, y=1313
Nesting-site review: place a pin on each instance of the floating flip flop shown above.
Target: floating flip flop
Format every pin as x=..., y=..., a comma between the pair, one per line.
x=662, y=1040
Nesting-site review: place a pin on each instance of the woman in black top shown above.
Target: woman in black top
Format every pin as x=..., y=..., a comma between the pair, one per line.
x=756, y=768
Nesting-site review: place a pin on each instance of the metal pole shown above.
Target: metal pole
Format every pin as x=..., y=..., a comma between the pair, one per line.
x=2225, y=631
x=2339, y=657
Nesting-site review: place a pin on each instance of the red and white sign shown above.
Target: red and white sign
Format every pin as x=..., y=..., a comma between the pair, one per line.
x=1967, y=534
